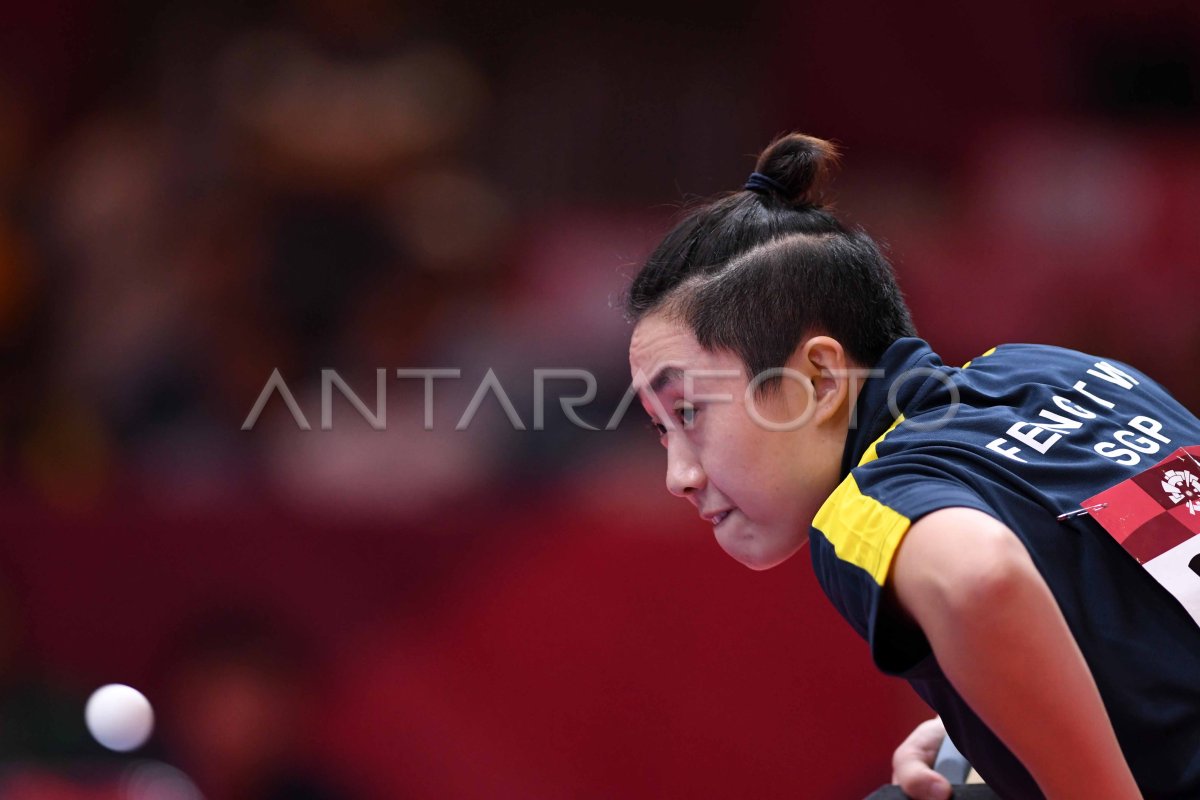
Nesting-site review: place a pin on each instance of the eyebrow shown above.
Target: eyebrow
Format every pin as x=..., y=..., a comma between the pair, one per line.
x=664, y=376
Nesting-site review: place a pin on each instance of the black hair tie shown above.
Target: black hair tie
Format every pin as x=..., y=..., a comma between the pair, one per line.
x=757, y=182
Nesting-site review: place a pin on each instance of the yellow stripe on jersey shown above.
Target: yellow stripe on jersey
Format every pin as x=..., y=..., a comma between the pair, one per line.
x=862, y=530
x=871, y=454
x=973, y=360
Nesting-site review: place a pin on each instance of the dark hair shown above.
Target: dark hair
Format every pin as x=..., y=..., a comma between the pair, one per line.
x=758, y=270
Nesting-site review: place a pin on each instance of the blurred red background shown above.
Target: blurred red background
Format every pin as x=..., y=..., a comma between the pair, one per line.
x=194, y=195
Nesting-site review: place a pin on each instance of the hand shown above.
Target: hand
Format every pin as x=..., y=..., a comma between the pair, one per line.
x=912, y=763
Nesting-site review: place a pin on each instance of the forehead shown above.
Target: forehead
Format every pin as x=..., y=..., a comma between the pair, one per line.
x=658, y=340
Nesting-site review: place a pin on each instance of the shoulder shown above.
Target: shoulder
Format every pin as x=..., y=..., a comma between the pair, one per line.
x=956, y=557
x=871, y=511
x=1037, y=362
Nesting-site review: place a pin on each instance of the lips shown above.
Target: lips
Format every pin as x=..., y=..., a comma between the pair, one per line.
x=717, y=517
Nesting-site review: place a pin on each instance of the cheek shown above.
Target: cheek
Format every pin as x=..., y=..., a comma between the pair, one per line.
x=782, y=482
x=751, y=462
x=732, y=445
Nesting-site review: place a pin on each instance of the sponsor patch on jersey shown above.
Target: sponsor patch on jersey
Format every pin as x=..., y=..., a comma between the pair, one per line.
x=1155, y=516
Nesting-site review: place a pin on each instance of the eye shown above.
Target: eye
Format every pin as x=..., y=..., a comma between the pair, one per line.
x=687, y=414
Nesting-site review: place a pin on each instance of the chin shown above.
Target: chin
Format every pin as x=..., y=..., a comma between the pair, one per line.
x=751, y=552
x=763, y=564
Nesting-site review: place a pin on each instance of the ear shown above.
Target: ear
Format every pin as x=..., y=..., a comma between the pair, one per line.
x=824, y=361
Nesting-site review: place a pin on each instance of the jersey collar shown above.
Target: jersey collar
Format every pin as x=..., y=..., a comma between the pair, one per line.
x=907, y=365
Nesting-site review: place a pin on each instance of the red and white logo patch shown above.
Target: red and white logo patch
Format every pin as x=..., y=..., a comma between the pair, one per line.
x=1155, y=516
x=1182, y=486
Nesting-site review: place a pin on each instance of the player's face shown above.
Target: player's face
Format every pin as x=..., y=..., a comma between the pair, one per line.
x=759, y=487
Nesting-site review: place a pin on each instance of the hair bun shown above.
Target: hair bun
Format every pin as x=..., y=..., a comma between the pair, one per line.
x=800, y=165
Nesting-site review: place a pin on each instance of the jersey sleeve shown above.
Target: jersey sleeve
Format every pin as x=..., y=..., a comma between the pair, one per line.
x=856, y=535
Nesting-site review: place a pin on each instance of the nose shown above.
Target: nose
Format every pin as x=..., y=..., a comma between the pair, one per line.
x=685, y=476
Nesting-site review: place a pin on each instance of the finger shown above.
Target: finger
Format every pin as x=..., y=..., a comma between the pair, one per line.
x=920, y=747
x=920, y=782
x=927, y=736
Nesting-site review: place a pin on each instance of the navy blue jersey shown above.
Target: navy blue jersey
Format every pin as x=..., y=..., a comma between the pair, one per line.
x=1023, y=433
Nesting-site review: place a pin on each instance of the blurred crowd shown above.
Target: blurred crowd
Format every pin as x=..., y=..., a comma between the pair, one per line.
x=287, y=191
x=321, y=186
x=196, y=196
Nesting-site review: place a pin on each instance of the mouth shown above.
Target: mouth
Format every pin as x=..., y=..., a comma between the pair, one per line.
x=719, y=517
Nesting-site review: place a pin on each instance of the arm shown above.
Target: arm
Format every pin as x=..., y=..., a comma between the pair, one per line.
x=1001, y=640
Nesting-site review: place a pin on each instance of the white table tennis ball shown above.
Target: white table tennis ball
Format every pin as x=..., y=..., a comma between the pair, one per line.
x=119, y=716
